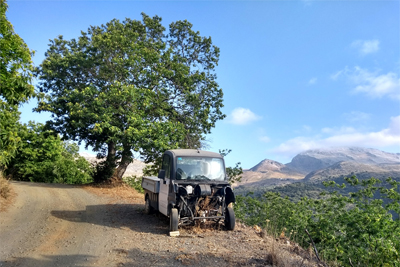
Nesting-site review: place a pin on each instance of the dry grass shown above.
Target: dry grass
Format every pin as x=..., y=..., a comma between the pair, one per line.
x=5, y=189
x=7, y=194
x=118, y=191
x=284, y=253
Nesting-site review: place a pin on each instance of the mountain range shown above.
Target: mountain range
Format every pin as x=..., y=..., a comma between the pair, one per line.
x=311, y=166
x=322, y=164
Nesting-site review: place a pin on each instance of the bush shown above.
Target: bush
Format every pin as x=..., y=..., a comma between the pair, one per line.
x=43, y=157
x=357, y=229
x=135, y=182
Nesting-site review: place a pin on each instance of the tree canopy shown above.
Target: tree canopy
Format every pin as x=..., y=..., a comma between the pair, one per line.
x=132, y=86
x=16, y=64
x=15, y=86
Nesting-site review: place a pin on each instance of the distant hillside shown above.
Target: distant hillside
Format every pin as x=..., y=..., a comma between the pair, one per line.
x=322, y=164
x=134, y=169
x=268, y=172
x=317, y=159
x=354, y=168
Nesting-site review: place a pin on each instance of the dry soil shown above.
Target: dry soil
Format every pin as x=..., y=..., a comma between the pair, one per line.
x=63, y=225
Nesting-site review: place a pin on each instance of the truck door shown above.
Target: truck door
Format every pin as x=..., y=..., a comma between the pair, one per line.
x=164, y=185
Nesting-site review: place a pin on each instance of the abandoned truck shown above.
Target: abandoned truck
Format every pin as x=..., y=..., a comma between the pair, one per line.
x=191, y=186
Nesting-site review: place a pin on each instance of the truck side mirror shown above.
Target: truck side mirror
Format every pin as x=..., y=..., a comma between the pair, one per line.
x=161, y=174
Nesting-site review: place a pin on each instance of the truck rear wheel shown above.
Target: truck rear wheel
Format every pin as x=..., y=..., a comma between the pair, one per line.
x=229, y=219
x=173, y=220
x=147, y=206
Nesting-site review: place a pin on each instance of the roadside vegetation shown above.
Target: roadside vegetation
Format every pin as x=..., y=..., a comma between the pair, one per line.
x=357, y=229
x=7, y=193
x=5, y=188
x=28, y=152
x=134, y=182
x=42, y=156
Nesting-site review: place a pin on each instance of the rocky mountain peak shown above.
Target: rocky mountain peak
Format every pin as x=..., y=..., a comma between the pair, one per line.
x=267, y=165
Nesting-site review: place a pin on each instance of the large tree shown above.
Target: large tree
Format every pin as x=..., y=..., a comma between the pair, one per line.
x=15, y=84
x=131, y=86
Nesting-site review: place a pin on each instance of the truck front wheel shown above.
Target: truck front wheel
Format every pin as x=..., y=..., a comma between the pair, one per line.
x=229, y=219
x=173, y=220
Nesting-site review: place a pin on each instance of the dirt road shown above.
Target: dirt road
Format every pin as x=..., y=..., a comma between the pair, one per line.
x=61, y=225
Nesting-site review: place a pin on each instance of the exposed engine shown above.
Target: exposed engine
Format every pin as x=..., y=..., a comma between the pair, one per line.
x=206, y=201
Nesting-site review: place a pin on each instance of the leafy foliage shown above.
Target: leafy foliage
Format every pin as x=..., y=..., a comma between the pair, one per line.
x=15, y=65
x=356, y=229
x=9, y=139
x=233, y=173
x=43, y=157
x=130, y=86
x=15, y=86
x=135, y=182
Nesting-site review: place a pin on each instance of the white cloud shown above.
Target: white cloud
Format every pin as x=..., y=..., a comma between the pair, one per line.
x=242, y=116
x=345, y=136
x=366, y=46
x=394, y=127
x=371, y=83
x=338, y=131
x=304, y=129
x=307, y=128
x=339, y=73
x=265, y=139
x=312, y=81
x=307, y=2
x=357, y=116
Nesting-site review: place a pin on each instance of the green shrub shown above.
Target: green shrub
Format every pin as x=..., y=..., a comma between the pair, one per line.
x=135, y=182
x=43, y=157
x=357, y=229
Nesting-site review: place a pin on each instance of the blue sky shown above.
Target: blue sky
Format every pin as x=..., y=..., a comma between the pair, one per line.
x=296, y=75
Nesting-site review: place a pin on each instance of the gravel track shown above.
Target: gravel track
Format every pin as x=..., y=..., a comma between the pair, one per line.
x=62, y=225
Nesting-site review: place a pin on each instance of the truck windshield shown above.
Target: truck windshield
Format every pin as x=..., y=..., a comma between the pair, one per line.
x=198, y=168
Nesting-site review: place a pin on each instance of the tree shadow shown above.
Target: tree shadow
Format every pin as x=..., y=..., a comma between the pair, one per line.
x=117, y=216
x=48, y=185
x=50, y=261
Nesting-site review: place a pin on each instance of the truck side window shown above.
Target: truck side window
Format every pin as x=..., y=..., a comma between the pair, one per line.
x=166, y=165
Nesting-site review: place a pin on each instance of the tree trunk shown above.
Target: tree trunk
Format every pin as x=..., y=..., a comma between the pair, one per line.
x=105, y=169
x=123, y=165
x=111, y=153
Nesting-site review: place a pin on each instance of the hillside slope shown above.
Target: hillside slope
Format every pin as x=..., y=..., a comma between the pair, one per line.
x=346, y=168
x=134, y=169
x=266, y=173
x=321, y=164
x=317, y=159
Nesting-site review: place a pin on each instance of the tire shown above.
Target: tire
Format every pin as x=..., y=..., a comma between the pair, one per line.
x=229, y=219
x=173, y=220
x=147, y=206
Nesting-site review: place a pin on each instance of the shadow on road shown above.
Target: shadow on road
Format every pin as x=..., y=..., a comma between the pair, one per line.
x=50, y=261
x=117, y=216
x=47, y=185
